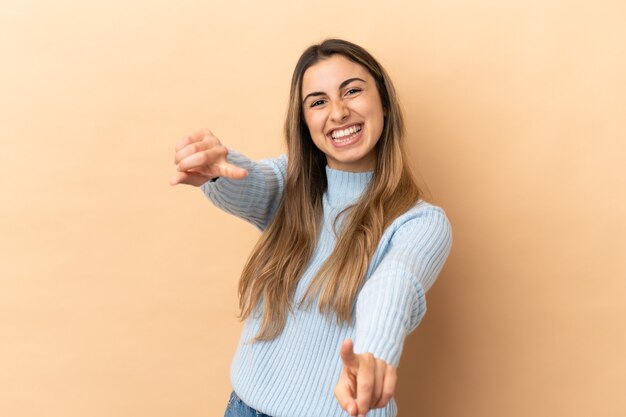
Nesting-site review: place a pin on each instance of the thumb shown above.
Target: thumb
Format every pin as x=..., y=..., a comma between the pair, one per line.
x=228, y=170
x=348, y=357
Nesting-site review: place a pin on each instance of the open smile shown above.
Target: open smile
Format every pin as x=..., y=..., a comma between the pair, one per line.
x=345, y=134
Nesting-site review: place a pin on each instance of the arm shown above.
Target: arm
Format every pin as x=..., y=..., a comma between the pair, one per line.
x=231, y=181
x=392, y=302
x=254, y=198
x=389, y=306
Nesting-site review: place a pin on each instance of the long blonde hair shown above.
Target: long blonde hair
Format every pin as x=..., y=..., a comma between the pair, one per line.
x=282, y=253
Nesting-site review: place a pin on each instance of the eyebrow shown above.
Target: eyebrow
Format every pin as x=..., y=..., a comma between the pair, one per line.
x=342, y=85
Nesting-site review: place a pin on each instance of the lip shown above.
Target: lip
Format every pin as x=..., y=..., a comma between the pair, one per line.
x=330, y=132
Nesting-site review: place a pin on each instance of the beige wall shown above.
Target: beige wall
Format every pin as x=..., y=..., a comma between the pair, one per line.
x=118, y=292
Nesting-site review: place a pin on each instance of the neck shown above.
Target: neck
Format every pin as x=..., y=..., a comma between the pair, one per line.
x=345, y=187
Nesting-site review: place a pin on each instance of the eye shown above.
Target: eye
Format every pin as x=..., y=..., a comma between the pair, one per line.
x=317, y=103
x=353, y=91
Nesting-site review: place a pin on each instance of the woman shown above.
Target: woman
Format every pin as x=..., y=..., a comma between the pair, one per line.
x=348, y=250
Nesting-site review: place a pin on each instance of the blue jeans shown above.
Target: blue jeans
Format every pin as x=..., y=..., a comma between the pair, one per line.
x=237, y=408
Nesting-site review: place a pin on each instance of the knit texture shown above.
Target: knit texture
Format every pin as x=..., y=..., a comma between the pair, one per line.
x=294, y=375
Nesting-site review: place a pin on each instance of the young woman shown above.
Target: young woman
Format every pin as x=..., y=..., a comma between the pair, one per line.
x=349, y=247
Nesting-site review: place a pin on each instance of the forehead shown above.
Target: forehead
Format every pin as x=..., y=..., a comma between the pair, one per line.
x=327, y=74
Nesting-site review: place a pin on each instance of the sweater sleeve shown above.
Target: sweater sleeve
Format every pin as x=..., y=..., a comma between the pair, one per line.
x=392, y=301
x=254, y=198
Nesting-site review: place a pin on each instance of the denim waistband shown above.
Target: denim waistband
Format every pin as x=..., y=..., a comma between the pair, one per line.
x=237, y=408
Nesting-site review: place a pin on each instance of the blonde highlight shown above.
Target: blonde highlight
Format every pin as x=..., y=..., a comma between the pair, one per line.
x=281, y=255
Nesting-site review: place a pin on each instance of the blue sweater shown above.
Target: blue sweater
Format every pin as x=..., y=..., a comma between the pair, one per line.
x=294, y=375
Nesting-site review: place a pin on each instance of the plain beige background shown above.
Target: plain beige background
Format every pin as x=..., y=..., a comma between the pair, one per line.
x=118, y=292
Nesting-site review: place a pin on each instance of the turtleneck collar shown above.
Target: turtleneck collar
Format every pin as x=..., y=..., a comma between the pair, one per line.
x=346, y=187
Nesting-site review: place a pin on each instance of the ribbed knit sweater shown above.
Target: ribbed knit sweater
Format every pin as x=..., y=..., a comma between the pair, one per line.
x=294, y=375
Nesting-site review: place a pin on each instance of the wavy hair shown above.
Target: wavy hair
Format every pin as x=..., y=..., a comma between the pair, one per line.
x=271, y=274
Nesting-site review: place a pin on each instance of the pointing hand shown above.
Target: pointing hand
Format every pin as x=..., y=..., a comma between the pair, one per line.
x=201, y=157
x=365, y=383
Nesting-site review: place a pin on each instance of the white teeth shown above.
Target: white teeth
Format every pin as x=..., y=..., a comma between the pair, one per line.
x=338, y=134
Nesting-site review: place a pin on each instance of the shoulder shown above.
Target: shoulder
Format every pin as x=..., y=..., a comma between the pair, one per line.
x=418, y=241
x=423, y=220
x=421, y=210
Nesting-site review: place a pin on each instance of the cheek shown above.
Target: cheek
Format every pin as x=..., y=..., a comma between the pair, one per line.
x=378, y=116
x=377, y=124
x=313, y=123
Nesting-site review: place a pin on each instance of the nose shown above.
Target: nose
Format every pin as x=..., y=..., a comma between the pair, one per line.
x=339, y=111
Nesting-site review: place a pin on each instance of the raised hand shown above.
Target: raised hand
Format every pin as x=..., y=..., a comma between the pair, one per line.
x=201, y=157
x=365, y=382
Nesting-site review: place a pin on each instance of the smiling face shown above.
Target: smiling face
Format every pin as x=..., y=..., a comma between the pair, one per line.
x=344, y=113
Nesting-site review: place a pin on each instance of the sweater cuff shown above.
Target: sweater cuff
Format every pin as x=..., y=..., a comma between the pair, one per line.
x=254, y=198
x=387, y=311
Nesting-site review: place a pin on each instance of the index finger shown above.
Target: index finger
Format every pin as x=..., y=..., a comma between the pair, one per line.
x=231, y=171
x=347, y=354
